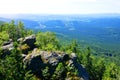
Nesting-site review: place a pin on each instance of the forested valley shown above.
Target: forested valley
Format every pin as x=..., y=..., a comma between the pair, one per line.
x=19, y=60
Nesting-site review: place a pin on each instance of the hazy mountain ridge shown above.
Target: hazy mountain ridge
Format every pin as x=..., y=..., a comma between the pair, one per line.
x=98, y=30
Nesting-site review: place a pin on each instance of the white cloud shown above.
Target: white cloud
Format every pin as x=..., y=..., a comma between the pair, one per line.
x=59, y=6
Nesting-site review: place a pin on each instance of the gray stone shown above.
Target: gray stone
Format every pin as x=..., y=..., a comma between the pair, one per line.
x=30, y=40
x=7, y=42
x=38, y=60
x=8, y=47
x=73, y=56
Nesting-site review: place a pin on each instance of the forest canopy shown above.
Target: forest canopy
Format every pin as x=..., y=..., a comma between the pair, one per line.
x=12, y=66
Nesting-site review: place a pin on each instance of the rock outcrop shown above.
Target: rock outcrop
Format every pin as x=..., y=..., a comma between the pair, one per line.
x=27, y=43
x=30, y=40
x=42, y=58
x=38, y=60
x=6, y=48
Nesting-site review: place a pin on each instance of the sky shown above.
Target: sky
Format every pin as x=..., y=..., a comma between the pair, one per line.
x=59, y=6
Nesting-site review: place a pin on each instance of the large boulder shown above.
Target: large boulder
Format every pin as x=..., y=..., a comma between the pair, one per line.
x=30, y=40
x=38, y=60
x=47, y=58
x=6, y=48
x=27, y=43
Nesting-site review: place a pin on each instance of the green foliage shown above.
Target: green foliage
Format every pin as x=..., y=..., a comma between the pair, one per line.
x=88, y=59
x=97, y=67
x=59, y=72
x=71, y=71
x=14, y=31
x=112, y=72
x=20, y=30
x=46, y=73
x=29, y=32
x=1, y=22
x=72, y=47
x=3, y=37
x=47, y=41
x=11, y=67
x=29, y=76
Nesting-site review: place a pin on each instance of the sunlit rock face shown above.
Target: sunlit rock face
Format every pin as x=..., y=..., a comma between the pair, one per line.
x=39, y=60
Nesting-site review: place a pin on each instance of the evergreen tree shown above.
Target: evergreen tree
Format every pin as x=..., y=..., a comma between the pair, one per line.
x=47, y=41
x=3, y=37
x=59, y=73
x=12, y=66
x=20, y=29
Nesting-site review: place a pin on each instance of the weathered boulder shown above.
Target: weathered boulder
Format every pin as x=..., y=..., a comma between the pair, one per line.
x=49, y=58
x=7, y=42
x=6, y=48
x=38, y=60
x=26, y=44
x=30, y=40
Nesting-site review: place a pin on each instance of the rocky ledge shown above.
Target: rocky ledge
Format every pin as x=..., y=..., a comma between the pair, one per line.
x=53, y=63
x=38, y=60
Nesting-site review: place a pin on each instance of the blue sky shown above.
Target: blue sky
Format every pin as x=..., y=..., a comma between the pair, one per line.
x=59, y=6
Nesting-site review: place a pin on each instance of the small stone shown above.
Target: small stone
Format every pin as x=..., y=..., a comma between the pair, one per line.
x=73, y=56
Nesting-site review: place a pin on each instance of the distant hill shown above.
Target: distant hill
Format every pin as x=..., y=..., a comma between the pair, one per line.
x=1, y=22
x=27, y=23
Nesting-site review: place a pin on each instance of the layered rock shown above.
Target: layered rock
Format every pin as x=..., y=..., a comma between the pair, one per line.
x=7, y=42
x=6, y=48
x=7, y=45
x=27, y=43
x=38, y=60
x=44, y=57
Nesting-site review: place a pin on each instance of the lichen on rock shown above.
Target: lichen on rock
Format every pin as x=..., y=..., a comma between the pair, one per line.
x=38, y=60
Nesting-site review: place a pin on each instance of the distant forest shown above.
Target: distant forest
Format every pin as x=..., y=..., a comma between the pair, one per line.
x=12, y=66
